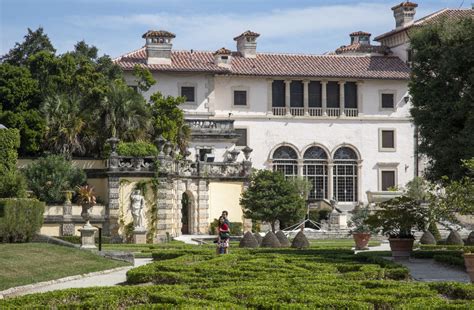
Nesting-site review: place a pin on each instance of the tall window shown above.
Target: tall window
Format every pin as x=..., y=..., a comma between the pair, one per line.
x=314, y=94
x=350, y=95
x=278, y=94
x=345, y=175
x=296, y=94
x=285, y=161
x=188, y=92
x=333, y=95
x=315, y=170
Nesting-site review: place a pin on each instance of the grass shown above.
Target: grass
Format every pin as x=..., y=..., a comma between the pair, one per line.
x=26, y=263
x=339, y=243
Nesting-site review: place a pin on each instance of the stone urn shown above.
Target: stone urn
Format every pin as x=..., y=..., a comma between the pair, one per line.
x=401, y=248
x=469, y=262
x=85, y=213
x=361, y=240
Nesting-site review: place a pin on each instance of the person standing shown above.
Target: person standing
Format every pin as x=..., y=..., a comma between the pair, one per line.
x=224, y=236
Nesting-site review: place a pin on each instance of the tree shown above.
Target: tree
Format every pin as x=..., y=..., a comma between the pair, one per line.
x=168, y=120
x=34, y=41
x=442, y=93
x=271, y=197
x=143, y=77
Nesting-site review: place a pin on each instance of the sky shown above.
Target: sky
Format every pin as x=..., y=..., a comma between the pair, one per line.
x=286, y=26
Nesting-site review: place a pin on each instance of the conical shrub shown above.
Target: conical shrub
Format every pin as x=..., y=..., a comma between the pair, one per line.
x=258, y=237
x=248, y=241
x=427, y=238
x=270, y=241
x=433, y=229
x=454, y=238
x=284, y=242
x=300, y=241
x=470, y=239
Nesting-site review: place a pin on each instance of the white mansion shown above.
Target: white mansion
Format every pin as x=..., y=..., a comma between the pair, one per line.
x=340, y=119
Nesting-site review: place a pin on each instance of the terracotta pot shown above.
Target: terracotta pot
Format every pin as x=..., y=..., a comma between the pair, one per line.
x=361, y=240
x=469, y=262
x=401, y=248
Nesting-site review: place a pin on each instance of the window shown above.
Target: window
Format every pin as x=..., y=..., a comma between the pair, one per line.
x=278, y=94
x=296, y=94
x=387, y=179
x=387, y=140
x=285, y=160
x=388, y=101
x=242, y=132
x=345, y=175
x=315, y=170
x=203, y=152
x=240, y=97
x=332, y=95
x=314, y=94
x=188, y=92
x=350, y=95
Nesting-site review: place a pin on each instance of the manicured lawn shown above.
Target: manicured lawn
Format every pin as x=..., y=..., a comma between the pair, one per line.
x=338, y=243
x=26, y=263
x=194, y=277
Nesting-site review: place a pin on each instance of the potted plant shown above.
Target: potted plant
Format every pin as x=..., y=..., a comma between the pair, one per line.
x=361, y=232
x=397, y=218
x=86, y=198
x=469, y=262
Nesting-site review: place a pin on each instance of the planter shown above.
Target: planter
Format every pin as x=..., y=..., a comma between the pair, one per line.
x=469, y=262
x=401, y=248
x=361, y=240
x=375, y=197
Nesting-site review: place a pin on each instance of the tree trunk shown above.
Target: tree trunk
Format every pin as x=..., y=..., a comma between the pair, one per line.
x=272, y=223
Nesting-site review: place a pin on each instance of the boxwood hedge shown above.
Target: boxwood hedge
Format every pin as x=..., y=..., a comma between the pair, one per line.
x=194, y=277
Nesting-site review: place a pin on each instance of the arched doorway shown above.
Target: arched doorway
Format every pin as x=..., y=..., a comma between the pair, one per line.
x=185, y=214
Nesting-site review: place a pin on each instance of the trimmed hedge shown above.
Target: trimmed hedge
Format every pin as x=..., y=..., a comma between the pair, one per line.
x=20, y=219
x=137, y=149
x=194, y=277
x=9, y=143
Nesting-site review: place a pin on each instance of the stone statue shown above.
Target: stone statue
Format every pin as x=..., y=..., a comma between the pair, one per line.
x=138, y=209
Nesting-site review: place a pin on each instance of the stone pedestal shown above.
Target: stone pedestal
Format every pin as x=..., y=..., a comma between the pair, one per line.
x=88, y=237
x=338, y=221
x=139, y=236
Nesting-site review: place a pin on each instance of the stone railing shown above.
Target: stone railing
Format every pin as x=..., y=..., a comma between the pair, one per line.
x=204, y=125
x=315, y=112
x=131, y=164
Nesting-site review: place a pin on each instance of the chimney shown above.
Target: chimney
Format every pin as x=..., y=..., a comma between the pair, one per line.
x=158, y=47
x=246, y=44
x=360, y=37
x=223, y=57
x=404, y=13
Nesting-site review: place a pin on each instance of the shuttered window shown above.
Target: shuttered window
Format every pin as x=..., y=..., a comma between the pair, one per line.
x=388, y=179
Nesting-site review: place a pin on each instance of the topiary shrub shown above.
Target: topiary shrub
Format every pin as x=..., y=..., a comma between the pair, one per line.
x=270, y=241
x=470, y=239
x=259, y=238
x=433, y=229
x=248, y=241
x=49, y=176
x=454, y=238
x=9, y=143
x=300, y=241
x=12, y=185
x=427, y=238
x=135, y=149
x=20, y=219
x=284, y=242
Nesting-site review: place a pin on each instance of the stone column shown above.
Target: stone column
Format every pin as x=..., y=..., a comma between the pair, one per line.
x=269, y=96
x=359, y=180
x=203, y=207
x=287, y=96
x=247, y=223
x=331, y=193
x=111, y=224
x=306, y=97
x=164, y=209
x=300, y=167
x=324, y=98
x=341, y=98
x=67, y=227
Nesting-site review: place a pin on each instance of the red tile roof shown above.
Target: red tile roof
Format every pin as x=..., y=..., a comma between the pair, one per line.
x=247, y=33
x=363, y=48
x=406, y=4
x=432, y=18
x=277, y=65
x=360, y=33
x=222, y=51
x=158, y=33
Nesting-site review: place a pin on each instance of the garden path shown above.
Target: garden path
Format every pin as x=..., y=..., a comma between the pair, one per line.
x=105, y=279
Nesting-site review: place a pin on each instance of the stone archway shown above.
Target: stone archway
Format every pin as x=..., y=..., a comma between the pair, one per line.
x=188, y=213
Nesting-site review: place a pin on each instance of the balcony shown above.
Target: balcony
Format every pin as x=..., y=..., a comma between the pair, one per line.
x=279, y=111
x=205, y=129
x=297, y=111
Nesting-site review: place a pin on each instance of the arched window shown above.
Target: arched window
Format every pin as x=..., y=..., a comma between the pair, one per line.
x=315, y=170
x=345, y=176
x=285, y=161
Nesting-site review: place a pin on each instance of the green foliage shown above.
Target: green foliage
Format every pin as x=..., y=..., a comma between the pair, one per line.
x=433, y=229
x=418, y=189
x=18, y=90
x=12, y=184
x=143, y=78
x=194, y=277
x=137, y=149
x=9, y=143
x=271, y=197
x=236, y=228
x=20, y=219
x=34, y=41
x=32, y=128
x=49, y=176
x=168, y=120
x=443, y=94
x=398, y=217
x=358, y=220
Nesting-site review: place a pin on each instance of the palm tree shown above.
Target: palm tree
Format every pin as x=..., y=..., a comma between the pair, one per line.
x=64, y=124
